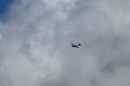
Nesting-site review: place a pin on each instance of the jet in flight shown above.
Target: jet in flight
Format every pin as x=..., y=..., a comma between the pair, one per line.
x=76, y=45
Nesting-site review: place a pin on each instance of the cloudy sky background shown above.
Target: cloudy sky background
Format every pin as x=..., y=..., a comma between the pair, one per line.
x=36, y=37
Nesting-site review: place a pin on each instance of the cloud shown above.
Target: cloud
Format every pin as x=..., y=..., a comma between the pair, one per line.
x=35, y=43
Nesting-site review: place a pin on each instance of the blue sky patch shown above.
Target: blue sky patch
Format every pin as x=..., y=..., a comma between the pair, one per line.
x=3, y=5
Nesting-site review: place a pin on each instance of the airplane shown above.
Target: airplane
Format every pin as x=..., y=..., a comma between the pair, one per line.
x=76, y=45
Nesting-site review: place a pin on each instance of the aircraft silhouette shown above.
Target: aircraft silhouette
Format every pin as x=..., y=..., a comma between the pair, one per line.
x=76, y=45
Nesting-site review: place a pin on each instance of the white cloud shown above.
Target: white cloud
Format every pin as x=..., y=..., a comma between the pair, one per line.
x=35, y=43
x=54, y=3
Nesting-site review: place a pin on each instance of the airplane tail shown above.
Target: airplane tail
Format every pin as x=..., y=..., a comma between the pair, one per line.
x=79, y=44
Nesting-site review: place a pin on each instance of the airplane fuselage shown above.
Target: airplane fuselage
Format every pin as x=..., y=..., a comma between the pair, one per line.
x=76, y=46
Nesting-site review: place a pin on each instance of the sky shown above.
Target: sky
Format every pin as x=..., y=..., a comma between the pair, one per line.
x=4, y=5
x=36, y=37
